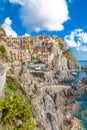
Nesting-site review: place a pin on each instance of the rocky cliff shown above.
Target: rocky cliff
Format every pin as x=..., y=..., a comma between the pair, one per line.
x=2, y=34
x=64, y=60
x=52, y=109
x=63, y=64
x=50, y=104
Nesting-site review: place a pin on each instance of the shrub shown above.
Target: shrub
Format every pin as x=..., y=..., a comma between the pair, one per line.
x=14, y=108
x=2, y=49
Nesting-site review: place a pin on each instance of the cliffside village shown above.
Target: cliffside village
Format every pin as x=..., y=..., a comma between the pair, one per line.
x=32, y=50
x=37, y=52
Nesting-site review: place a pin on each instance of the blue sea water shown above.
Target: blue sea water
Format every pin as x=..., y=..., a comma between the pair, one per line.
x=78, y=77
x=82, y=99
x=81, y=74
x=83, y=62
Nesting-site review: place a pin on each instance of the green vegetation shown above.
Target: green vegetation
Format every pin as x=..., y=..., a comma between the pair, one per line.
x=66, y=52
x=2, y=49
x=61, y=45
x=16, y=112
x=3, y=53
x=9, y=72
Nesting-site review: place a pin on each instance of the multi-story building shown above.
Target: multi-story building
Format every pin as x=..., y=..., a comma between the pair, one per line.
x=23, y=56
x=13, y=40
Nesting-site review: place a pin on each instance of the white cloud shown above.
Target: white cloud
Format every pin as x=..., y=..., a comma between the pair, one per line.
x=83, y=37
x=77, y=39
x=8, y=21
x=38, y=15
x=26, y=34
x=71, y=43
x=7, y=27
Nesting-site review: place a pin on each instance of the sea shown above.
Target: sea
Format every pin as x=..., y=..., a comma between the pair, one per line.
x=82, y=112
x=81, y=74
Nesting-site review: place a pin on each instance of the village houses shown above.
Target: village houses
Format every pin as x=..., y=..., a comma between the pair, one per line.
x=36, y=49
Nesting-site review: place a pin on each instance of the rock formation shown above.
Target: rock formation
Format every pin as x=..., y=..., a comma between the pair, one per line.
x=50, y=103
x=64, y=60
x=2, y=34
x=63, y=64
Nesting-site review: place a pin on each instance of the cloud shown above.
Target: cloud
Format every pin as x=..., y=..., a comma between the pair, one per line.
x=71, y=43
x=77, y=39
x=83, y=37
x=26, y=34
x=70, y=39
x=7, y=27
x=38, y=15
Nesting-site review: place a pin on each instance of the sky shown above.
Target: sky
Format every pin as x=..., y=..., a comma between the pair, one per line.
x=65, y=18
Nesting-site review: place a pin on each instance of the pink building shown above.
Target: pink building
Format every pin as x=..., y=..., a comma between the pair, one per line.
x=22, y=56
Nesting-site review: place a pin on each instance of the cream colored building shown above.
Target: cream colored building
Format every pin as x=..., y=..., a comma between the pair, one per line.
x=13, y=40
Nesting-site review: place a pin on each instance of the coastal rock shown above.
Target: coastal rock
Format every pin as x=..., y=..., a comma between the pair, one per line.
x=73, y=64
x=84, y=68
x=59, y=62
x=49, y=103
x=49, y=106
x=63, y=64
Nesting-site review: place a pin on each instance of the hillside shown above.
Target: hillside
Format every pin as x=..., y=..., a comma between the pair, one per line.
x=36, y=102
x=64, y=57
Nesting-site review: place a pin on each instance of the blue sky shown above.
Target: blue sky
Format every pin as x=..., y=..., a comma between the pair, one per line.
x=65, y=18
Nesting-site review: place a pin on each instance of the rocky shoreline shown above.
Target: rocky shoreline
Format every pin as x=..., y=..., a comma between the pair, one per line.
x=49, y=101
x=84, y=68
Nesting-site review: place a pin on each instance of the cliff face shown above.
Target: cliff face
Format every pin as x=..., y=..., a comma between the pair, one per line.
x=64, y=60
x=49, y=105
x=59, y=61
x=2, y=80
x=2, y=33
x=63, y=64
